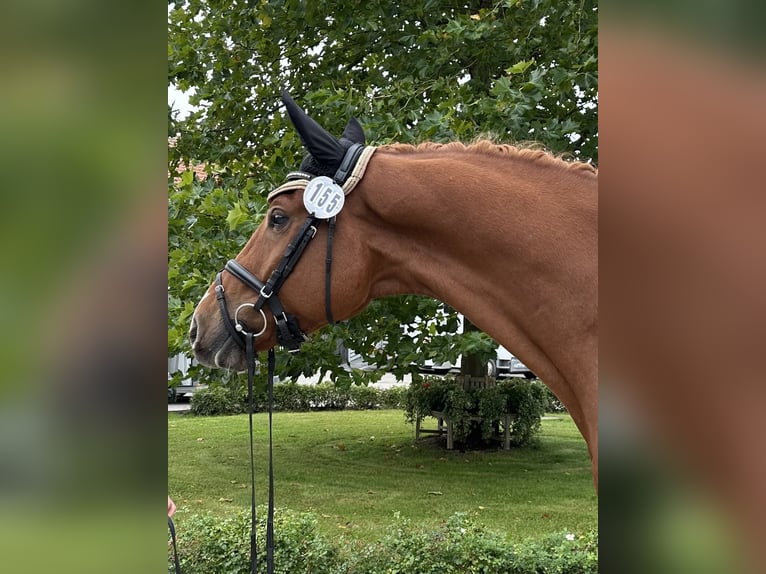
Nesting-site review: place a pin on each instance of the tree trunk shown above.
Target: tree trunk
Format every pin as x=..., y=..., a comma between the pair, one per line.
x=473, y=365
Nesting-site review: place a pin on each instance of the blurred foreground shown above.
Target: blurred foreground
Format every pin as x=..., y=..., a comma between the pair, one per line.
x=682, y=277
x=83, y=295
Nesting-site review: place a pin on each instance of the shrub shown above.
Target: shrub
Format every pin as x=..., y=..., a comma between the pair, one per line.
x=212, y=545
x=364, y=398
x=218, y=400
x=290, y=396
x=524, y=399
x=527, y=400
x=393, y=397
x=460, y=545
x=553, y=404
x=327, y=396
x=563, y=553
x=463, y=546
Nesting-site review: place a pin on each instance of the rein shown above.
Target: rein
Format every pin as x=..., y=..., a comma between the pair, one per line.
x=288, y=332
x=175, y=547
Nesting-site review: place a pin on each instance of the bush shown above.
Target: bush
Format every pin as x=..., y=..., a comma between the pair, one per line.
x=364, y=398
x=460, y=545
x=211, y=545
x=527, y=400
x=393, y=398
x=290, y=396
x=219, y=400
x=563, y=553
x=328, y=397
x=524, y=399
x=552, y=403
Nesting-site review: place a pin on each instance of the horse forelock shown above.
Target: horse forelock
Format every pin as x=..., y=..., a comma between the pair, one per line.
x=532, y=152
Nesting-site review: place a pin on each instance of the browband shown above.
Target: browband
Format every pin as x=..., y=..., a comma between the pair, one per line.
x=358, y=153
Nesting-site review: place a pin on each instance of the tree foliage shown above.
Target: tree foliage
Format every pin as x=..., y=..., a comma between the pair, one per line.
x=440, y=70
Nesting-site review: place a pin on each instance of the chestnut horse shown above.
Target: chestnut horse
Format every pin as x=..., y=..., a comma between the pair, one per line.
x=506, y=236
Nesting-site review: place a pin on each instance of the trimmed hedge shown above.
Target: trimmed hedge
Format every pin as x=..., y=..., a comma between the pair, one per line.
x=219, y=400
x=289, y=396
x=212, y=545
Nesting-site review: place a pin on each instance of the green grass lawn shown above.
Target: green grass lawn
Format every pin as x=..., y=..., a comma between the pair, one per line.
x=356, y=469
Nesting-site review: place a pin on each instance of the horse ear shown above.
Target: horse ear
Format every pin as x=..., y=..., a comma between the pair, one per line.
x=353, y=131
x=319, y=143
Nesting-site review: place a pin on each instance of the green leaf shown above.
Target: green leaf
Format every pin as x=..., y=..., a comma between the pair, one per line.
x=237, y=216
x=519, y=67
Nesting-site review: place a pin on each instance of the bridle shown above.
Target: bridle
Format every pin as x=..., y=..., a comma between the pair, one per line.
x=288, y=331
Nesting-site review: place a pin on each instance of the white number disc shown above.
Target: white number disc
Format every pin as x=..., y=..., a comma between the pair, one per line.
x=323, y=197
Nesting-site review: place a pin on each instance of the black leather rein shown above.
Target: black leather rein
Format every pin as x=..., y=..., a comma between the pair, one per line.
x=288, y=332
x=288, y=335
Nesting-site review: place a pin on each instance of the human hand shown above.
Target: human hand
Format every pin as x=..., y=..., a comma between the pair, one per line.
x=171, y=507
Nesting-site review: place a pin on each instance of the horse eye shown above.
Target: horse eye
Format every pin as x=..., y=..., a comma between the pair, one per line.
x=278, y=219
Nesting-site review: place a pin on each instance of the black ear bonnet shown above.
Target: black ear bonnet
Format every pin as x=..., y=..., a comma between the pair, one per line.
x=325, y=151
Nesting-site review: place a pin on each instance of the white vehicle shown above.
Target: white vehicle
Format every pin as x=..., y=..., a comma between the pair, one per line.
x=187, y=386
x=505, y=364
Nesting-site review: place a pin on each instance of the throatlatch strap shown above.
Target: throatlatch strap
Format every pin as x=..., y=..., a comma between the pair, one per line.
x=328, y=271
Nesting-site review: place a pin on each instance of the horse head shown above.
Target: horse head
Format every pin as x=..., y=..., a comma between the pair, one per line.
x=254, y=293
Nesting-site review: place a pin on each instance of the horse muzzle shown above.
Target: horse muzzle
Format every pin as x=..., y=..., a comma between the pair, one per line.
x=214, y=347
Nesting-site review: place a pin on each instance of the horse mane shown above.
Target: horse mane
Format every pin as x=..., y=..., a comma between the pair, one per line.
x=527, y=151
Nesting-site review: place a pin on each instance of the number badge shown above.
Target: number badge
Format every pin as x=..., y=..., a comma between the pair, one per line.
x=323, y=197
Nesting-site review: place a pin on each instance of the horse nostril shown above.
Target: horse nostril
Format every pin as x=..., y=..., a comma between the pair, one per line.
x=193, y=331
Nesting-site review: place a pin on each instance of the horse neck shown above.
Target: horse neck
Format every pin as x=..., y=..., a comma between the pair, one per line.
x=454, y=225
